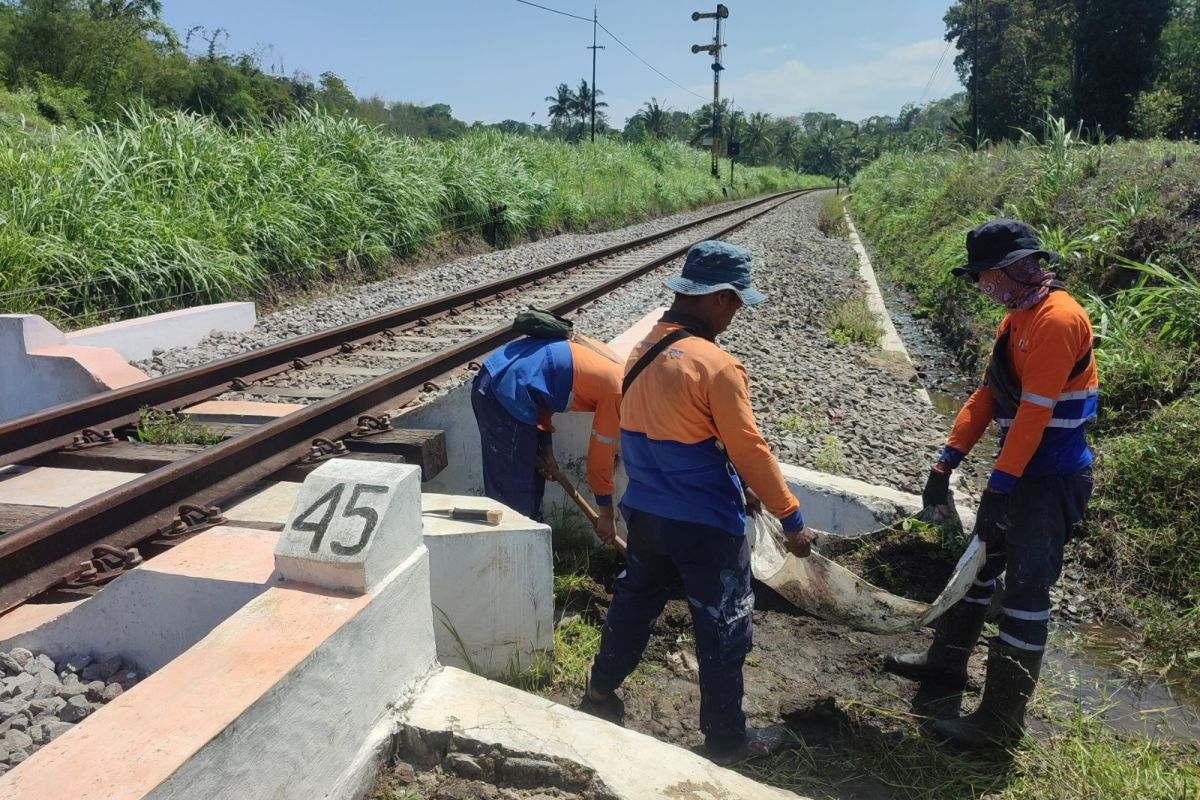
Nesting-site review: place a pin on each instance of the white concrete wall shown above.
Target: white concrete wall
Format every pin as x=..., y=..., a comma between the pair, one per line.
x=136, y=339
x=323, y=730
x=493, y=589
x=29, y=381
x=41, y=367
x=147, y=616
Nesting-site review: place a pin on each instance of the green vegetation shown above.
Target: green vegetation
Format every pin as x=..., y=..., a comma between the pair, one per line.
x=853, y=321
x=1080, y=759
x=1123, y=216
x=831, y=218
x=172, y=208
x=156, y=426
x=830, y=458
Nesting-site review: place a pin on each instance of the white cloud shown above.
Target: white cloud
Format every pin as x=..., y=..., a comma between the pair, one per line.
x=776, y=48
x=878, y=85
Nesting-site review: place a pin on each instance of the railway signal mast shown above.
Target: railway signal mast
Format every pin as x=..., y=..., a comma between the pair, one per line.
x=721, y=13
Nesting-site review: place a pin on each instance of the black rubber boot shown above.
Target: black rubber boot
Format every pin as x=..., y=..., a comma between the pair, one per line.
x=945, y=662
x=757, y=742
x=999, y=722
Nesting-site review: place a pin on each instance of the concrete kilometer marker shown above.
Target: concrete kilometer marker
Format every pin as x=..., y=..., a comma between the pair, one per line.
x=352, y=524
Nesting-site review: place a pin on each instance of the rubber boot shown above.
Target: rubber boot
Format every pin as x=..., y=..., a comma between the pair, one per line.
x=945, y=662
x=999, y=721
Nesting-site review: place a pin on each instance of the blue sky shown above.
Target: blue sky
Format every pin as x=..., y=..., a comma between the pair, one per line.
x=497, y=59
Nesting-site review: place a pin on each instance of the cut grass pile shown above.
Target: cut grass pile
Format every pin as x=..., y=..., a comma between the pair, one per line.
x=167, y=209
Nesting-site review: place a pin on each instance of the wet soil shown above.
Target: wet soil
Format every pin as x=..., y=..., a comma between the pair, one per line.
x=442, y=765
x=802, y=673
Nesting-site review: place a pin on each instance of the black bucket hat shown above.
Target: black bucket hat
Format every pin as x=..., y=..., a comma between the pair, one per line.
x=998, y=243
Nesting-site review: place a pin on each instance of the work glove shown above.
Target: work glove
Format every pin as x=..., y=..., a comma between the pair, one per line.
x=799, y=543
x=991, y=520
x=937, y=487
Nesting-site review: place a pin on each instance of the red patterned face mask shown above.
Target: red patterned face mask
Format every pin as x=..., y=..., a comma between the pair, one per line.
x=1021, y=285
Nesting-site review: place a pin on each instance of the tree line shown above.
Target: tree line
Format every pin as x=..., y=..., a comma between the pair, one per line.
x=1115, y=67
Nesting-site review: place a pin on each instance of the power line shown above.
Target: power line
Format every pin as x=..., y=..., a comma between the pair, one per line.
x=554, y=10
x=933, y=75
x=617, y=39
x=647, y=63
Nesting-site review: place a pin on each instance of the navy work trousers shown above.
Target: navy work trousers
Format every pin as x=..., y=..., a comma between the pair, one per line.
x=510, y=451
x=1043, y=511
x=715, y=568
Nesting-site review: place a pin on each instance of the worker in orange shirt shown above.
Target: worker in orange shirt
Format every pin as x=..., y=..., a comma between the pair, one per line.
x=696, y=463
x=1041, y=388
x=518, y=389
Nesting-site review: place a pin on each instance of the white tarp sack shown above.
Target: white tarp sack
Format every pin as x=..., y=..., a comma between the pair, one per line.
x=831, y=592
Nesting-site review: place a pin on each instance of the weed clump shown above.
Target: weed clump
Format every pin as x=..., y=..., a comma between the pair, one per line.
x=156, y=426
x=853, y=321
x=831, y=217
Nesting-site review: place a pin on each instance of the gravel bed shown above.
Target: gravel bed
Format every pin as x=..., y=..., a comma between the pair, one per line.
x=820, y=404
x=837, y=408
x=423, y=283
x=41, y=700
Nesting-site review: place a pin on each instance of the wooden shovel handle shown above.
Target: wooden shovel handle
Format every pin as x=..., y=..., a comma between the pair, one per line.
x=554, y=473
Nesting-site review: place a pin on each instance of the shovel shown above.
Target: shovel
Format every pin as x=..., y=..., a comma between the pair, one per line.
x=552, y=472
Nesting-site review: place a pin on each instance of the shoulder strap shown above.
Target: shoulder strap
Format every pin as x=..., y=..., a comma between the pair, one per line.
x=651, y=354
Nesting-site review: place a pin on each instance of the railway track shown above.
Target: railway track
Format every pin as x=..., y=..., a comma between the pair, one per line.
x=376, y=366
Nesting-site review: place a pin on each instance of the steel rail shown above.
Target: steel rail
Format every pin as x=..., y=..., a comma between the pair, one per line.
x=44, y=431
x=41, y=555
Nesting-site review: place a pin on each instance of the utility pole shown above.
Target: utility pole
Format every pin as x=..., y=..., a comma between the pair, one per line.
x=715, y=49
x=594, y=48
x=975, y=83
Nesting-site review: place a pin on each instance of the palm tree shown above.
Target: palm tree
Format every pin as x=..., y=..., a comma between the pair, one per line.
x=787, y=143
x=584, y=99
x=562, y=104
x=655, y=119
x=756, y=140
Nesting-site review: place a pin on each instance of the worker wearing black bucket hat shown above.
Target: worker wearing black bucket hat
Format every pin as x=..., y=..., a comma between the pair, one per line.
x=1041, y=389
x=697, y=465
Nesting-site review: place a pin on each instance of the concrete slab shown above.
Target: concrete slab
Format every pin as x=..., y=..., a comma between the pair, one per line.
x=504, y=625
x=240, y=411
x=52, y=486
x=136, y=339
x=287, y=698
x=836, y=504
x=156, y=612
x=631, y=765
x=269, y=506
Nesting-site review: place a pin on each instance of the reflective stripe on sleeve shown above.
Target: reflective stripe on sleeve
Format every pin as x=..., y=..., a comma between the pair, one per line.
x=1037, y=400
x=604, y=439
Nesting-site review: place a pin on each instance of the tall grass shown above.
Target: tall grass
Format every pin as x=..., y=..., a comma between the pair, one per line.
x=1124, y=218
x=167, y=208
